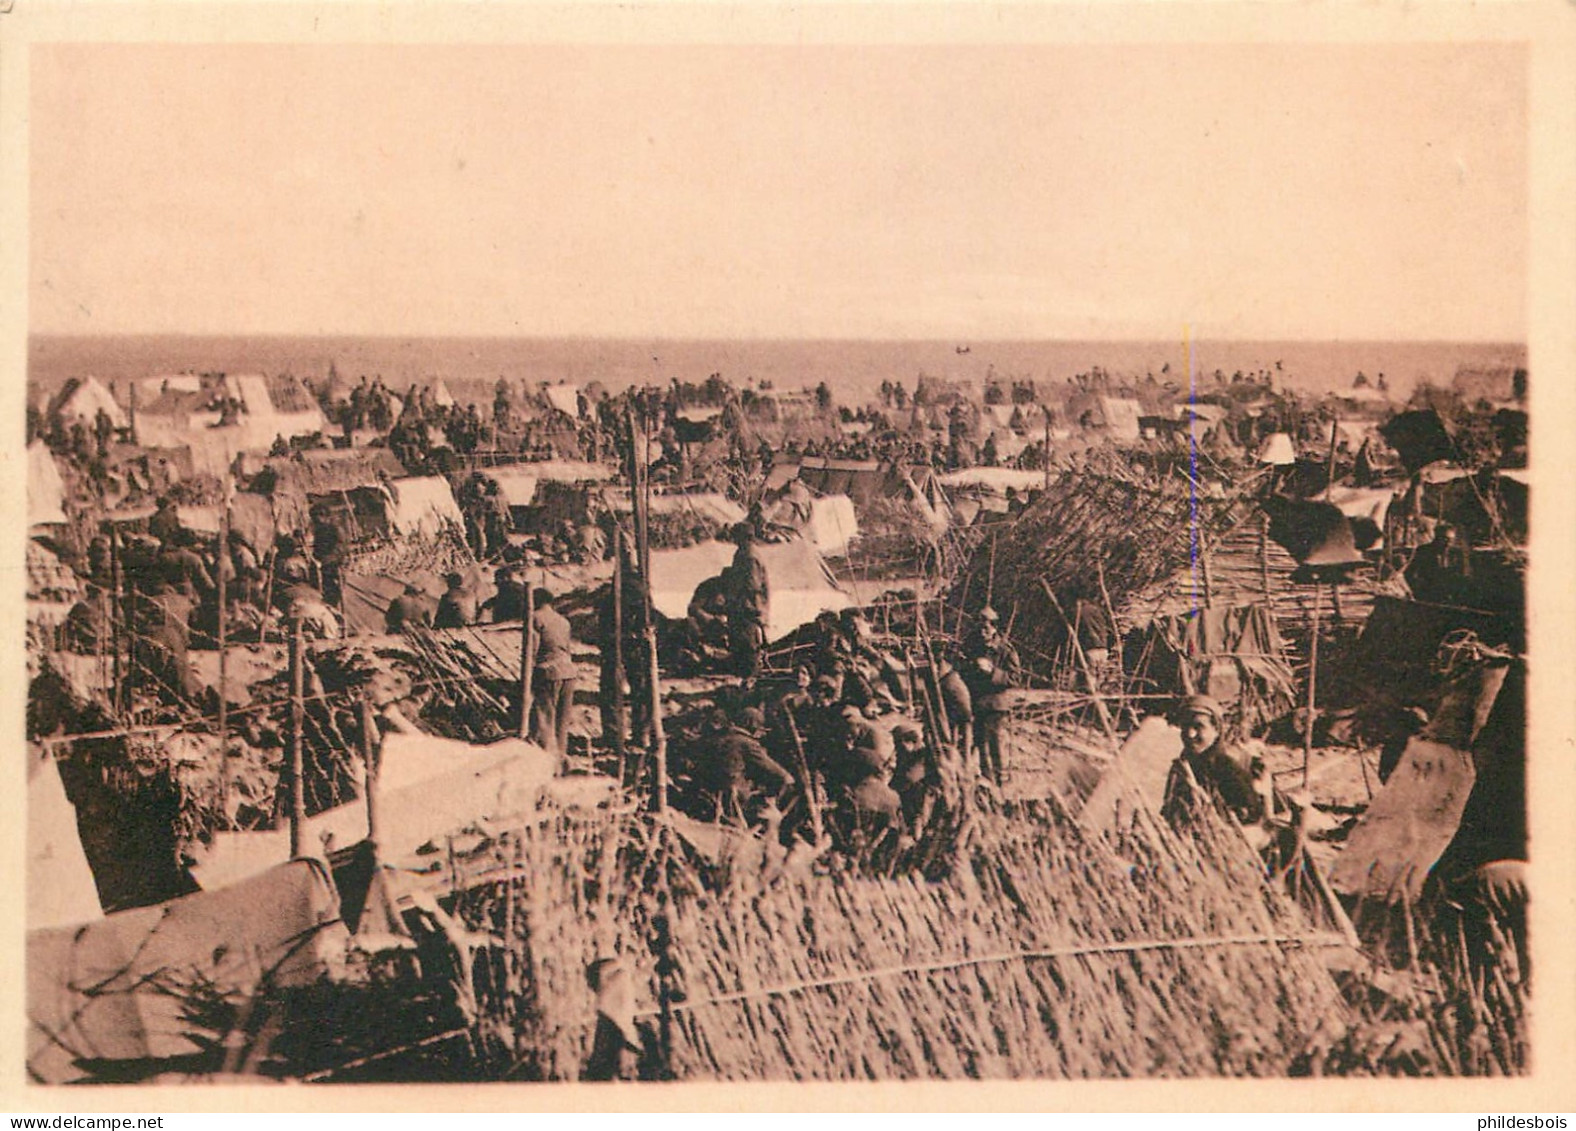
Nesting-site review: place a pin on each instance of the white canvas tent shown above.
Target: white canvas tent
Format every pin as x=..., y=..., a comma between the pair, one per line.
x=799, y=585
x=46, y=490
x=60, y=887
x=423, y=505
x=565, y=398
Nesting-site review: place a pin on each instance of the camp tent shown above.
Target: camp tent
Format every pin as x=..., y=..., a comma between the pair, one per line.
x=1278, y=450
x=46, y=490
x=1121, y=416
x=799, y=585
x=832, y=525
x=424, y=506
x=116, y=988
x=81, y=399
x=564, y=398
x=60, y=887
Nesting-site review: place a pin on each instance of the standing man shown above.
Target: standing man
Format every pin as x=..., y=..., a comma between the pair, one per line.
x=748, y=596
x=989, y=670
x=553, y=682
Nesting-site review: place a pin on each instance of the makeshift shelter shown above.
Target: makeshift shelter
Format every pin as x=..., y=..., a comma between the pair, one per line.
x=799, y=585
x=60, y=887
x=46, y=490
x=81, y=399
x=1088, y=524
x=1233, y=653
x=120, y=989
x=1047, y=954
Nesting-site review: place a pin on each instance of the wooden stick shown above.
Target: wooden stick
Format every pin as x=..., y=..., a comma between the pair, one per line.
x=527, y=659
x=619, y=707
x=1313, y=677
x=806, y=781
x=659, y=738
x=224, y=682
x=297, y=753
x=369, y=764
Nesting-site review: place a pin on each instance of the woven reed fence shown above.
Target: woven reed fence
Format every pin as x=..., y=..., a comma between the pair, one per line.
x=1045, y=954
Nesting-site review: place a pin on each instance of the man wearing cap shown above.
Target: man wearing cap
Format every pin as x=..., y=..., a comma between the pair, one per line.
x=553, y=681
x=989, y=669
x=1205, y=764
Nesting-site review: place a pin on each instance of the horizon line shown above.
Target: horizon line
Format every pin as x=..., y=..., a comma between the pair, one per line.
x=287, y=334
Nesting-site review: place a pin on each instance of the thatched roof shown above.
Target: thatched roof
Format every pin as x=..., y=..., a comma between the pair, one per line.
x=1048, y=955
x=1088, y=524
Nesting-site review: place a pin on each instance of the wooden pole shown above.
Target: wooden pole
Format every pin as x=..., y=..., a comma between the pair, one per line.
x=297, y=752
x=224, y=668
x=806, y=779
x=369, y=765
x=659, y=739
x=1335, y=432
x=1046, y=409
x=1313, y=678
x=527, y=658
x=617, y=643
x=116, y=623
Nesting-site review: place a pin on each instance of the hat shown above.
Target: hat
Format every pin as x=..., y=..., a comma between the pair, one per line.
x=989, y=614
x=1199, y=705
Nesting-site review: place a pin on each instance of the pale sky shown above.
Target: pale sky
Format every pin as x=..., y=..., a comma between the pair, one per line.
x=1255, y=191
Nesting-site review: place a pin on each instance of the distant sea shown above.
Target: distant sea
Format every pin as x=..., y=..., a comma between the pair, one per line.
x=853, y=369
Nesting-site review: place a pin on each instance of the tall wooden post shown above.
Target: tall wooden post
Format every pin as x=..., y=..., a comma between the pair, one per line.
x=369, y=764
x=659, y=738
x=1313, y=679
x=116, y=620
x=297, y=738
x=527, y=658
x=1046, y=409
x=620, y=720
x=223, y=564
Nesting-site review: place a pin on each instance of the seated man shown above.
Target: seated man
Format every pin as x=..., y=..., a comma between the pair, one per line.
x=1205, y=770
x=411, y=609
x=457, y=606
x=508, y=603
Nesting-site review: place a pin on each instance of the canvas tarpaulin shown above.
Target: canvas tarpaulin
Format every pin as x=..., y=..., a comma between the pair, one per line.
x=798, y=585
x=113, y=989
x=428, y=788
x=1232, y=653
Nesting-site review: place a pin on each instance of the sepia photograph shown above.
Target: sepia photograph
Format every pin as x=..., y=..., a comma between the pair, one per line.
x=777, y=558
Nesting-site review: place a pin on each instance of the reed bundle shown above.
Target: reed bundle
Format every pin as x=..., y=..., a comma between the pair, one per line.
x=1046, y=954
